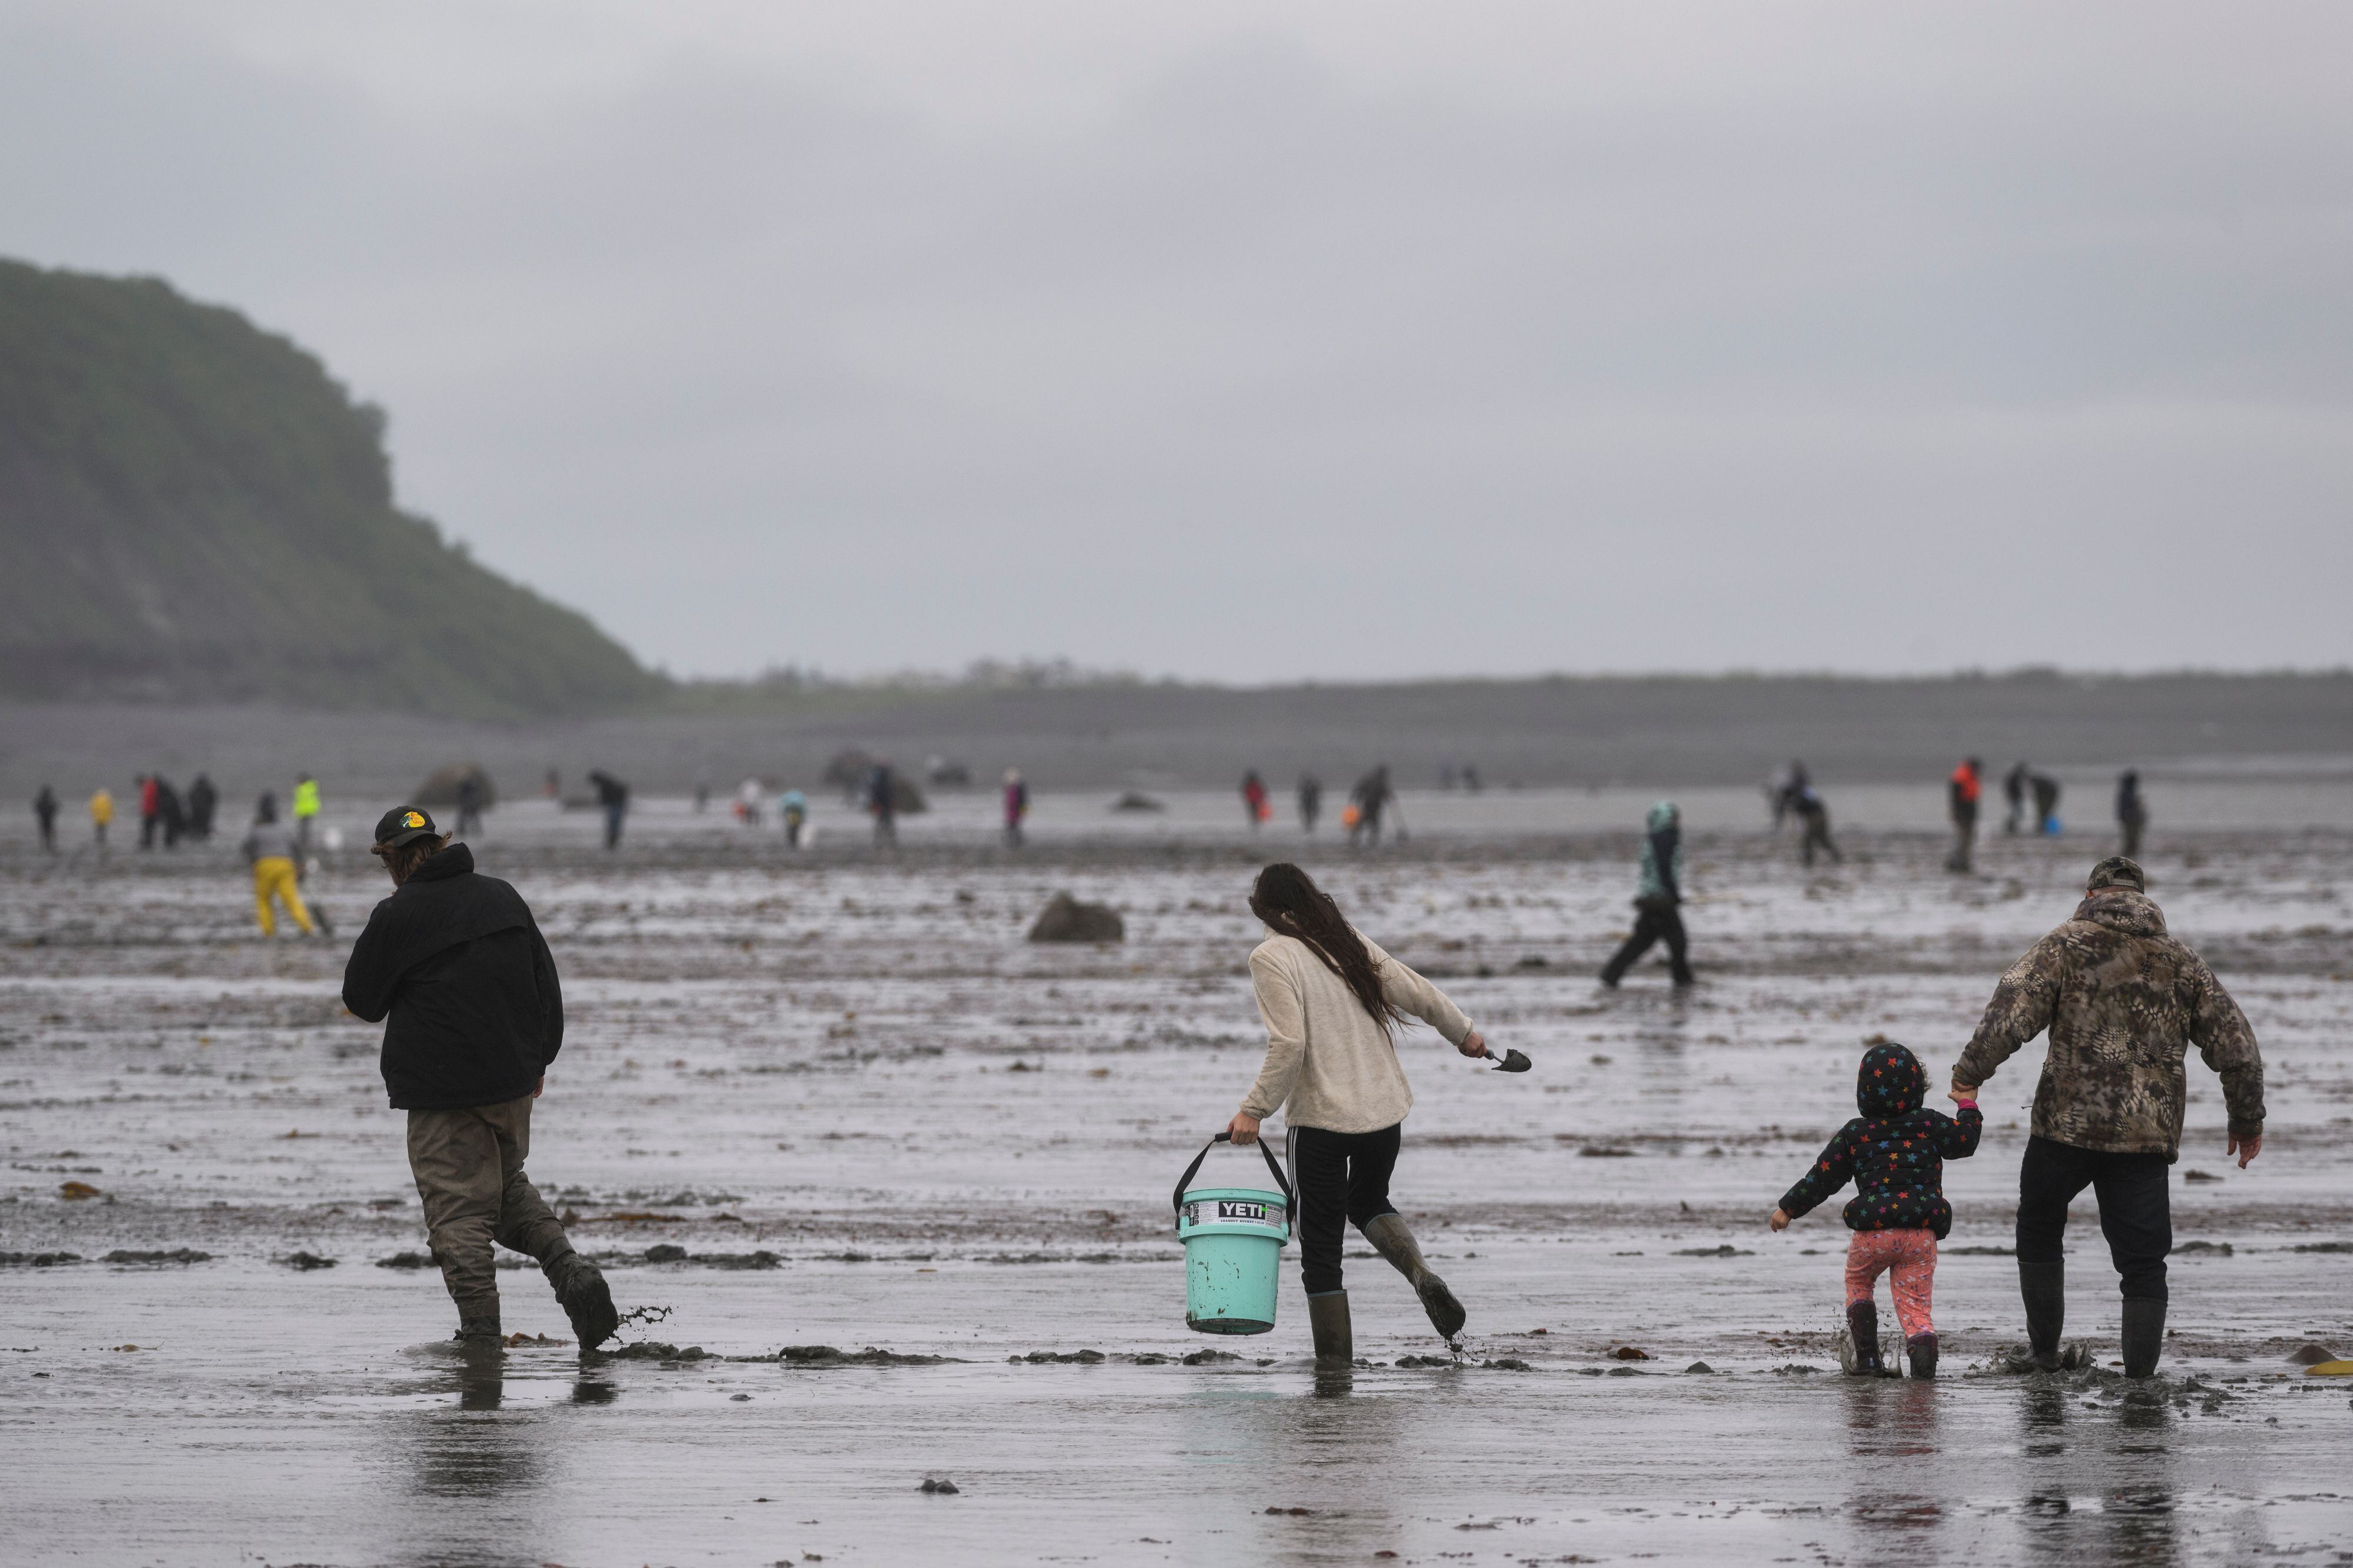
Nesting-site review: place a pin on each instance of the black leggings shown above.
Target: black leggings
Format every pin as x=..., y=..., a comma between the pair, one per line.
x=2136, y=1209
x=1340, y=1177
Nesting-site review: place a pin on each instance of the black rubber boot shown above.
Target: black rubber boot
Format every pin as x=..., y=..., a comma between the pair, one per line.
x=581, y=1291
x=1392, y=1239
x=2144, y=1336
x=1922, y=1351
x=2042, y=1288
x=1859, y=1355
x=1335, y=1342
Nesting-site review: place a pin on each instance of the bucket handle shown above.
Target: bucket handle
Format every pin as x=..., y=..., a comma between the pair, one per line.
x=1290, y=1204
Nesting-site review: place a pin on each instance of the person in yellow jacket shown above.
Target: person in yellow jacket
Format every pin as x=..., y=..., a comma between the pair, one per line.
x=273, y=853
x=101, y=812
x=306, y=810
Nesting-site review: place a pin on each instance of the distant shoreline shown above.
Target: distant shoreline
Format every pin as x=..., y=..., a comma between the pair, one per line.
x=1551, y=731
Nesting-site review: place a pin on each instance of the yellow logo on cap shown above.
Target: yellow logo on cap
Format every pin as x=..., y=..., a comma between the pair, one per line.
x=414, y=819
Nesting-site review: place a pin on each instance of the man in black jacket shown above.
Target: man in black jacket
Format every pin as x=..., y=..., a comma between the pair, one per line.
x=456, y=960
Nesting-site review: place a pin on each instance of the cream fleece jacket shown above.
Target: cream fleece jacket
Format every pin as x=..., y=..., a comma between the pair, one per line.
x=1325, y=1058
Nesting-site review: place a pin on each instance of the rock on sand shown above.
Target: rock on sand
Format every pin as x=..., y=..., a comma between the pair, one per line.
x=1067, y=919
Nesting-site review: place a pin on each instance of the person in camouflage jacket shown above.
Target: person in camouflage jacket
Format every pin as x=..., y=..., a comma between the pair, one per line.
x=2122, y=1002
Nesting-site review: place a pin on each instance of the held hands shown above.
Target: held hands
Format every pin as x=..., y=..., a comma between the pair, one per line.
x=2245, y=1148
x=1779, y=1219
x=1475, y=1044
x=1242, y=1129
x=1961, y=1091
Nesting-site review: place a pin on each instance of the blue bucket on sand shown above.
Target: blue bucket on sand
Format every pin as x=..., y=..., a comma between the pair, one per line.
x=1233, y=1247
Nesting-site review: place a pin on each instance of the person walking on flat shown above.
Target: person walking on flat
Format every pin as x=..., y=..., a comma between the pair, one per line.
x=306, y=811
x=1658, y=898
x=613, y=799
x=45, y=813
x=2124, y=1002
x=2132, y=812
x=1815, y=813
x=456, y=962
x=277, y=862
x=1332, y=1002
x=1017, y=806
x=1967, y=784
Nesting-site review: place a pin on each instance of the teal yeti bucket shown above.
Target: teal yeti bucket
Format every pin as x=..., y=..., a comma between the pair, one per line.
x=1233, y=1248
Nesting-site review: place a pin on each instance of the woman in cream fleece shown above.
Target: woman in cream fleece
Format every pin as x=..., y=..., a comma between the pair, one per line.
x=1331, y=1001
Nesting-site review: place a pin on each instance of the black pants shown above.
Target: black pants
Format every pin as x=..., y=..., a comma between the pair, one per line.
x=1817, y=836
x=1650, y=927
x=1965, y=838
x=2136, y=1209
x=1341, y=1178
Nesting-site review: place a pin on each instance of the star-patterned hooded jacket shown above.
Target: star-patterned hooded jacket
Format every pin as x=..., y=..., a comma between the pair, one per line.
x=1894, y=1153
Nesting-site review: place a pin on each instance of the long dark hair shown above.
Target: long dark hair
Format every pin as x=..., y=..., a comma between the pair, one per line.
x=1291, y=904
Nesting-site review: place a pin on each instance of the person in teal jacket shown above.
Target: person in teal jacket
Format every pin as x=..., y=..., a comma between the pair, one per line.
x=1657, y=899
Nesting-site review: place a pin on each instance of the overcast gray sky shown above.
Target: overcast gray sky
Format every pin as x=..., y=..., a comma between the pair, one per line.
x=1261, y=341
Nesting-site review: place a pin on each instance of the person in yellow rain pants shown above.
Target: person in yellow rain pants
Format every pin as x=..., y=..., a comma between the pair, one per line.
x=101, y=812
x=273, y=853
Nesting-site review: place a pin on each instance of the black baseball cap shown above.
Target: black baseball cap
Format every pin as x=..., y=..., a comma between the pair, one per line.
x=402, y=824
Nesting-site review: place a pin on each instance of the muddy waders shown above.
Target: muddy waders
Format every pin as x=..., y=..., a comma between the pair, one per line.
x=1392, y=1240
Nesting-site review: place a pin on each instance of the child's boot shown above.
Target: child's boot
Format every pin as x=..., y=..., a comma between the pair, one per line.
x=1922, y=1350
x=1859, y=1350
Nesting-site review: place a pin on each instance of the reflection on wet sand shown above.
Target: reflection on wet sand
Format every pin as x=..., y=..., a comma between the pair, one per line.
x=466, y=1459
x=2101, y=1474
x=1892, y=1430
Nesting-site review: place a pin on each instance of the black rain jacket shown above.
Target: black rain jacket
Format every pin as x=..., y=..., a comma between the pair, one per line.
x=455, y=959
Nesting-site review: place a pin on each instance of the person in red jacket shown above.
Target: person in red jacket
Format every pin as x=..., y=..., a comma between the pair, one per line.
x=1254, y=805
x=1967, y=784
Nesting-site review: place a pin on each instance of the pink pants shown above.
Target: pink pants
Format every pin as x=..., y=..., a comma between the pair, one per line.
x=1908, y=1258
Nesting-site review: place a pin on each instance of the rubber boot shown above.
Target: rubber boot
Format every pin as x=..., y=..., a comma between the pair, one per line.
x=2144, y=1336
x=1859, y=1353
x=2042, y=1288
x=1922, y=1351
x=479, y=1334
x=1336, y=1344
x=581, y=1291
x=1393, y=1241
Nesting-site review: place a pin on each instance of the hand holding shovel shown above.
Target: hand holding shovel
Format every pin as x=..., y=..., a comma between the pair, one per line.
x=1474, y=1044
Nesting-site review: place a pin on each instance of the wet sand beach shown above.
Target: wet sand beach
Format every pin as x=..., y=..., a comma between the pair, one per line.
x=834, y=1099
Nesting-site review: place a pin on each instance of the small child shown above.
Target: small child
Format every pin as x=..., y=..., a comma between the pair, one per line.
x=1894, y=1153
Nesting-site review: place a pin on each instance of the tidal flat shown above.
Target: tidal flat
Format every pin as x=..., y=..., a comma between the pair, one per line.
x=835, y=1100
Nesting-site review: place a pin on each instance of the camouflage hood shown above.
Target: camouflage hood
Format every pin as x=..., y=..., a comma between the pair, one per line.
x=2122, y=910
x=1890, y=1083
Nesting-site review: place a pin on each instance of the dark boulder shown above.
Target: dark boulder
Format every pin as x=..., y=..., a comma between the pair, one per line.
x=1067, y=919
